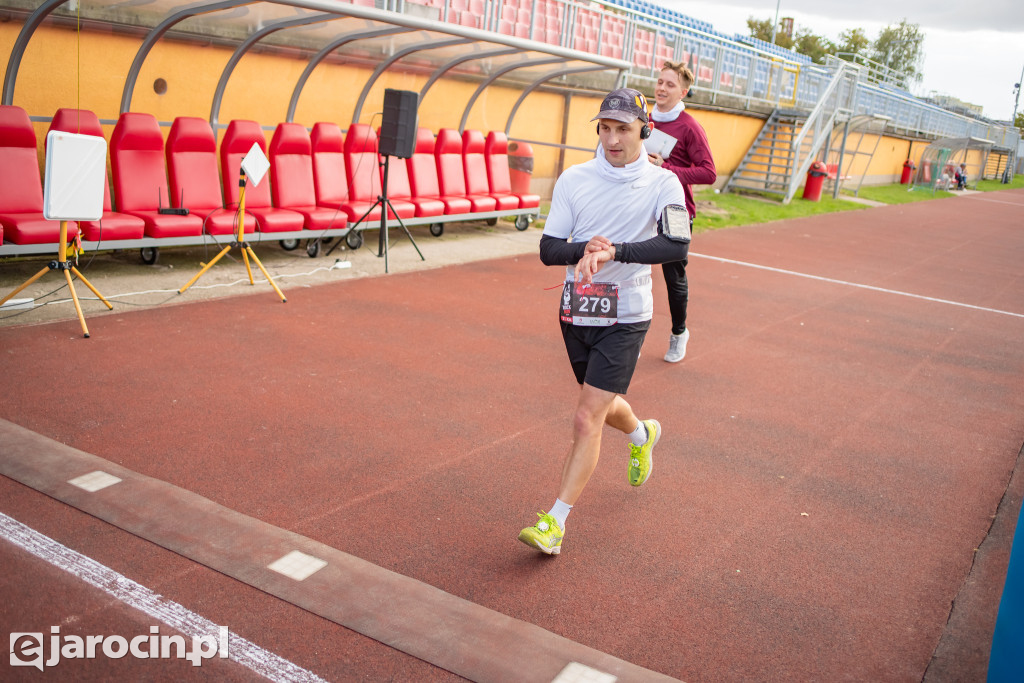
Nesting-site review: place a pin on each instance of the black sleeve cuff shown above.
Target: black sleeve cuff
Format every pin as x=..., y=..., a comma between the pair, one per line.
x=560, y=252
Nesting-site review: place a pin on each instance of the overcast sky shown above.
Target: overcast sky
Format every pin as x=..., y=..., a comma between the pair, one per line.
x=972, y=50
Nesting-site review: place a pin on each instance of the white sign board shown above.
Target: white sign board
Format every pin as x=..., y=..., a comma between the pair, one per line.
x=76, y=168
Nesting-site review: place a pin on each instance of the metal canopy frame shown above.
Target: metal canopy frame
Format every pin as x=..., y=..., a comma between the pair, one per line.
x=542, y=80
x=947, y=151
x=325, y=52
x=383, y=66
x=327, y=27
x=862, y=123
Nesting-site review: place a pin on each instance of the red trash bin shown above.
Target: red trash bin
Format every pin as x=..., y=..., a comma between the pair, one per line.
x=908, y=170
x=520, y=166
x=815, y=179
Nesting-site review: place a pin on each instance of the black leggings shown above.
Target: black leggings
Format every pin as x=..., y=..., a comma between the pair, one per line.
x=678, y=293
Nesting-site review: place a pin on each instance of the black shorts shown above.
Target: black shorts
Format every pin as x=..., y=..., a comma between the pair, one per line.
x=605, y=357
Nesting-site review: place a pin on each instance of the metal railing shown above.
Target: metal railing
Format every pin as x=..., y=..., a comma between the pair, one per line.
x=836, y=100
x=727, y=71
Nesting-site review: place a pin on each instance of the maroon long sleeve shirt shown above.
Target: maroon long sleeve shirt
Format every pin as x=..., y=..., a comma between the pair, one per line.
x=690, y=159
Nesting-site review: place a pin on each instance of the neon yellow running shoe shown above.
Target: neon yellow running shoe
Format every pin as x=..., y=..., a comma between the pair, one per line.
x=641, y=461
x=545, y=536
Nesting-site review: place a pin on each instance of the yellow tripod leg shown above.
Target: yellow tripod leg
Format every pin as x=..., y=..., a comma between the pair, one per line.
x=88, y=284
x=266, y=274
x=78, y=306
x=205, y=268
x=25, y=284
x=248, y=268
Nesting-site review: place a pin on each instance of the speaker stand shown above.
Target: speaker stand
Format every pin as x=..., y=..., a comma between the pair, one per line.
x=382, y=200
x=384, y=203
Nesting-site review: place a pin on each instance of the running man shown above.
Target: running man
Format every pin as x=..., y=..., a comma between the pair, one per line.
x=610, y=218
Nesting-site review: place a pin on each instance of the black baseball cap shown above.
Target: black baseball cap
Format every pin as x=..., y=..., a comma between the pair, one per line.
x=625, y=104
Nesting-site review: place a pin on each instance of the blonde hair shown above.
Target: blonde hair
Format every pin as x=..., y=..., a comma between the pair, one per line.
x=681, y=70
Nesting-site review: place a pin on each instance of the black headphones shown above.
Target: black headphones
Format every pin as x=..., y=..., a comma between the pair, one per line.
x=645, y=130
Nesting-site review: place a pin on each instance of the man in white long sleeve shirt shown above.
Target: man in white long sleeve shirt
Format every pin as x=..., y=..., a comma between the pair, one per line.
x=610, y=218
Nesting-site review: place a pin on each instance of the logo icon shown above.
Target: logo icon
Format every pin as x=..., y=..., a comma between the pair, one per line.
x=27, y=650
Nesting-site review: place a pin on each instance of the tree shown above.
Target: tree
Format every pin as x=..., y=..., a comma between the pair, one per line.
x=899, y=48
x=853, y=41
x=1019, y=122
x=814, y=46
x=763, y=30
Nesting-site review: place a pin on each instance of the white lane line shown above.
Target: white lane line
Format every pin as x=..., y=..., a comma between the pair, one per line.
x=858, y=285
x=178, y=617
x=993, y=201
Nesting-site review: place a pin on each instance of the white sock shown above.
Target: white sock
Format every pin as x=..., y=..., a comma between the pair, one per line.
x=638, y=436
x=560, y=511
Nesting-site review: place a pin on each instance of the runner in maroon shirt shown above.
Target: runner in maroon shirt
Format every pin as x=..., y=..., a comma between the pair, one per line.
x=690, y=159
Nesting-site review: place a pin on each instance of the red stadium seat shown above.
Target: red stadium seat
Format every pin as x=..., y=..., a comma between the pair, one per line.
x=293, y=187
x=329, y=178
x=363, y=172
x=475, y=168
x=140, y=177
x=477, y=177
x=21, y=187
x=496, y=154
x=423, y=182
x=400, y=189
x=451, y=172
x=238, y=140
x=113, y=225
x=195, y=179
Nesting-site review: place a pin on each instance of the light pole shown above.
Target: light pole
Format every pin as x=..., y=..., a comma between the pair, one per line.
x=1016, y=99
x=1013, y=121
x=775, y=26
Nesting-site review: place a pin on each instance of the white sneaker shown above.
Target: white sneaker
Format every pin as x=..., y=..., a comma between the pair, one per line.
x=677, y=346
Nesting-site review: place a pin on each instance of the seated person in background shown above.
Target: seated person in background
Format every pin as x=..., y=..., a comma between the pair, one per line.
x=961, y=177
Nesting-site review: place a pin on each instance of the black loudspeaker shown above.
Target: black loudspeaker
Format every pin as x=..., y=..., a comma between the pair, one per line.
x=398, y=126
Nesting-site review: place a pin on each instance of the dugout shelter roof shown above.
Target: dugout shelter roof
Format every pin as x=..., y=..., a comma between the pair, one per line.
x=322, y=31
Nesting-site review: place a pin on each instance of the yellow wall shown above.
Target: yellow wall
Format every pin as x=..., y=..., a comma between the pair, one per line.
x=729, y=135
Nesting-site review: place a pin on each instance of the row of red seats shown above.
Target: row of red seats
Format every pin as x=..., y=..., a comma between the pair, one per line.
x=316, y=182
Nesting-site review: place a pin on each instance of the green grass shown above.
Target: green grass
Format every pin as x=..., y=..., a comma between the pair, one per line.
x=900, y=194
x=995, y=185
x=716, y=210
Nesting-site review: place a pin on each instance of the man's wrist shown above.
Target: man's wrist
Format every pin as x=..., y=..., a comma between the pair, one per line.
x=618, y=255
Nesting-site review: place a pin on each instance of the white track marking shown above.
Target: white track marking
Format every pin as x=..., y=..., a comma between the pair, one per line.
x=858, y=285
x=178, y=617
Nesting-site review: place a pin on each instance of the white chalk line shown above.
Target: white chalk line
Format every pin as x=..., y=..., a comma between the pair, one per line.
x=857, y=285
x=178, y=617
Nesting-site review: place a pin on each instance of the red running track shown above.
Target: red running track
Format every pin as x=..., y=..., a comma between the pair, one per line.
x=837, y=444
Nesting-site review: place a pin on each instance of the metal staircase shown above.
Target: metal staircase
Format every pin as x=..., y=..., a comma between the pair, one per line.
x=790, y=140
x=768, y=165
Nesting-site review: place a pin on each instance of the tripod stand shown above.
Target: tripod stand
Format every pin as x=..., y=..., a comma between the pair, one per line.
x=239, y=242
x=384, y=203
x=62, y=264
